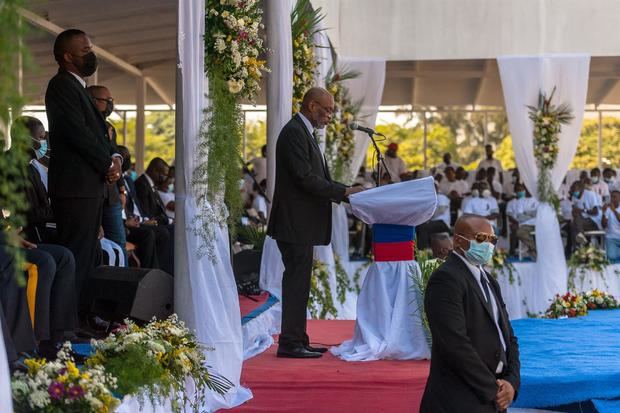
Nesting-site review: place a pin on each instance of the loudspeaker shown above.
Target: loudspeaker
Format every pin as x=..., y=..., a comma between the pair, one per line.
x=142, y=294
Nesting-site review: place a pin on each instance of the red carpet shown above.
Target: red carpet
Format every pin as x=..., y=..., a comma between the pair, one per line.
x=247, y=305
x=329, y=384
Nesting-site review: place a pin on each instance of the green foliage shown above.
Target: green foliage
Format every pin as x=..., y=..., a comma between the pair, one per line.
x=159, y=135
x=218, y=159
x=255, y=138
x=253, y=235
x=342, y=281
x=13, y=164
x=586, y=156
x=428, y=265
x=321, y=303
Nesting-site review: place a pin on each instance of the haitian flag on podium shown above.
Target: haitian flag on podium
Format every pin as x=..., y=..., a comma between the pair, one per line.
x=394, y=210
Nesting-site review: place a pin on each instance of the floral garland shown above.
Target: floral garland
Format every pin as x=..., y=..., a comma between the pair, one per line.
x=340, y=144
x=599, y=300
x=343, y=284
x=304, y=24
x=13, y=164
x=584, y=259
x=567, y=305
x=500, y=263
x=321, y=303
x=155, y=361
x=428, y=265
x=548, y=120
x=232, y=49
x=59, y=386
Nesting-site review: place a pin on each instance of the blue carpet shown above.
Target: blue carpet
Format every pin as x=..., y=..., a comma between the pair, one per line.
x=607, y=406
x=259, y=310
x=569, y=360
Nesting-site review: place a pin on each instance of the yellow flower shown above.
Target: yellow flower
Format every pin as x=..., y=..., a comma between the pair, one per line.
x=72, y=370
x=34, y=364
x=63, y=378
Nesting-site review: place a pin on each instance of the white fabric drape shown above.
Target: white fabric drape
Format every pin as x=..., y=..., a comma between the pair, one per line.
x=279, y=81
x=205, y=290
x=6, y=404
x=388, y=324
x=522, y=78
x=367, y=88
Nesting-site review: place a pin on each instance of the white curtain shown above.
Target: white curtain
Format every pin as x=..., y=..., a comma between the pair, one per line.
x=205, y=290
x=5, y=379
x=367, y=89
x=522, y=78
x=280, y=80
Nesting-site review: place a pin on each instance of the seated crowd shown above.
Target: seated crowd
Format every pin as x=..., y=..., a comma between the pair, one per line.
x=131, y=217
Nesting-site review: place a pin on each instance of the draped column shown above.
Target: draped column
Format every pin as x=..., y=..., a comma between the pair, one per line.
x=280, y=80
x=522, y=78
x=205, y=290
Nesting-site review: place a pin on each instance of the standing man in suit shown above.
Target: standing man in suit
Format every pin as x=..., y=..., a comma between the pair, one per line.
x=301, y=214
x=475, y=355
x=82, y=160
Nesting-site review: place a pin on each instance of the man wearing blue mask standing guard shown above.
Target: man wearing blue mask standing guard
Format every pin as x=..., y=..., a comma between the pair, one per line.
x=475, y=355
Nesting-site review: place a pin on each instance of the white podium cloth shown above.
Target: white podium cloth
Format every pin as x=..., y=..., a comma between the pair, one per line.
x=340, y=232
x=523, y=77
x=258, y=332
x=404, y=203
x=519, y=296
x=6, y=404
x=388, y=324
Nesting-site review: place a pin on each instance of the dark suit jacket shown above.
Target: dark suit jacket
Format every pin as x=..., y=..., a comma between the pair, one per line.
x=301, y=212
x=39, y=208
x=466, y=346
x=149, y=201
x=81, y=153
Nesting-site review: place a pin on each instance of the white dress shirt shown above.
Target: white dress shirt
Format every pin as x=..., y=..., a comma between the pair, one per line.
x=588, y=201
x=486, y=163
x=477, y=272
x=523, y=210
x=442, y=213
x=396, y=166
x=613, y=225
x=42, y=169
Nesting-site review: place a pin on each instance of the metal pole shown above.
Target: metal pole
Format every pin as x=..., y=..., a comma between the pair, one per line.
x=486, y=128
x=600, y=139
x=124, y=128
x=140, y=121
x=425, y=139
x=245, y=157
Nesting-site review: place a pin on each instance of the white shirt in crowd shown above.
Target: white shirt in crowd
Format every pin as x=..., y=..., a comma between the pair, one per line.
x=167, y=197
x=260, y=204
x=259, y=165
x=613, y=225
x=442, y=166
x=477, y=272
x=497, y=187
x=42, y=169
x=523, y=210
x=486, y=163
x=602, y=189
x=461, y=187
x=396, y=166
x=152, y=184
x=481, y=206
x=442, y=213
x=588, y=201
x=564, y=191
x=613, y=185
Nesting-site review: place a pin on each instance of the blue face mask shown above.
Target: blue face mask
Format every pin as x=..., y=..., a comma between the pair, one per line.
x=133, y=175
x=479, y=253
x=170, y=187
x=40, y=153
x=576, y=194
x=521, y=194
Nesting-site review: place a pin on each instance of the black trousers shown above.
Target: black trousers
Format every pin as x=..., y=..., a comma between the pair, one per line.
x=14, y=316
x=144, y=238
x=78, y=221
x=297, y=259
x=56, y=302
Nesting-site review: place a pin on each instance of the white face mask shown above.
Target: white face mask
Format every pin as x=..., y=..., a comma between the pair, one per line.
x=595, y=179
x=475, y=193
x=486, y=193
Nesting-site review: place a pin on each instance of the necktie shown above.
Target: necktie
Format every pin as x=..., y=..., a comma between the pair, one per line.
x=485, y=287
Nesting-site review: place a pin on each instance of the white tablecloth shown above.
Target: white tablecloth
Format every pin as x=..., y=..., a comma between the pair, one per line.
x=517, y=295
x=388, y=324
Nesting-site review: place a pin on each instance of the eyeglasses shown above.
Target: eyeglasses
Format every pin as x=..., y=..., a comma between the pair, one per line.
x=482, y=237
x=108, y=100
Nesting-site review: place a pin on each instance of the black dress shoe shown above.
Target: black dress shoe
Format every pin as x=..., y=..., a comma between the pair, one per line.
x=316, y=349
x=297, y=352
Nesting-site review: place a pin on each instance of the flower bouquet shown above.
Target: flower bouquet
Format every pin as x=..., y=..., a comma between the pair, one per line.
x=599, y=300
x=567, y=305
x=584, y=259
x=155, y=361
x=59, y=387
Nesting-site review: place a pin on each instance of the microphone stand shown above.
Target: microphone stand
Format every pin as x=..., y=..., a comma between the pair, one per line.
x=380, y=159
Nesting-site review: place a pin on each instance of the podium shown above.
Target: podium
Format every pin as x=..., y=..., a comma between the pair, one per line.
x=388, y=323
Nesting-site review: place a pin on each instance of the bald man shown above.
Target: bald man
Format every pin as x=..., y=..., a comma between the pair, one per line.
x=475, y=355
x=301, y=215
x=82, y=159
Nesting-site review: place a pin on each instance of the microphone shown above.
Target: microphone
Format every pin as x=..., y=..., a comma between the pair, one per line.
x=356, y=126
